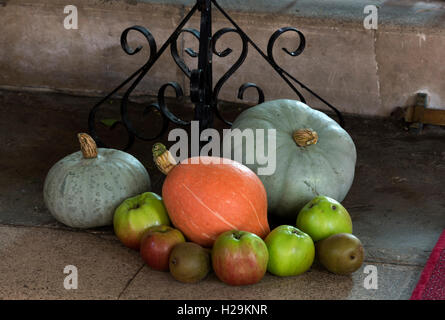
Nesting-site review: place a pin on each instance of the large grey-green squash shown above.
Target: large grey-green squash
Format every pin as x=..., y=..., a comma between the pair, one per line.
x=83, y=189
x=314, y=155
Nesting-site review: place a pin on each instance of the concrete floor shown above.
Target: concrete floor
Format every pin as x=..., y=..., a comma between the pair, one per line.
x=396, y=203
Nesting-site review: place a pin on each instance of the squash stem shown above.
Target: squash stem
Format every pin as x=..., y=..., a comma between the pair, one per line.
x=87, y=146
x=305, y=137
x=163, y=158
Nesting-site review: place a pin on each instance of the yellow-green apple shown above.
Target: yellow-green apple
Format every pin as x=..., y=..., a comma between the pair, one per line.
x=156, y=244
x=135, y=215
x=291, y=251
x=323, y=217
x=239, y=257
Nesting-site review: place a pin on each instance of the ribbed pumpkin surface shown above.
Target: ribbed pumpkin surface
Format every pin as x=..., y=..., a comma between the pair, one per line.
x=210, y=197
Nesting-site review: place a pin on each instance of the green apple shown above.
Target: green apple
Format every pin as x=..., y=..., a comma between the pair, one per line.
x=291, y=251
x=323, y=217
x=135, y=215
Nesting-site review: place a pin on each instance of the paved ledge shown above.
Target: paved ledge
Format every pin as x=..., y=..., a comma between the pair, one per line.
x=33, y=261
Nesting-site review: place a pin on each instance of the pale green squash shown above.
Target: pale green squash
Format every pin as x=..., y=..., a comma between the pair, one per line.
x=302, y=172
x=83, y=189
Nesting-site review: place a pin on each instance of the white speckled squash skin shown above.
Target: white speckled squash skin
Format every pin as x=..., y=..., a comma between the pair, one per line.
x=325, y=168
x=83, y=193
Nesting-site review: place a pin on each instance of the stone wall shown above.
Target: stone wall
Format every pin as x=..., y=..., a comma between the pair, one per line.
x=358, y=70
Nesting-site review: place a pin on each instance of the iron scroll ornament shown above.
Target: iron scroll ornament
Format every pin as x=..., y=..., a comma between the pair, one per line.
x=202, y=94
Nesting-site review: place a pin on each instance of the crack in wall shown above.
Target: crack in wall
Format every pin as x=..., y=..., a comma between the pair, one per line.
x=379, y=93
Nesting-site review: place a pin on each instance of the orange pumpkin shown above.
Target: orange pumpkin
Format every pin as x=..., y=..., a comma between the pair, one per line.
x=211, y=196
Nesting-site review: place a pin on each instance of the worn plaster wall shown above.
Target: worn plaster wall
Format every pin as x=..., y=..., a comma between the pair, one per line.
x=359, y=71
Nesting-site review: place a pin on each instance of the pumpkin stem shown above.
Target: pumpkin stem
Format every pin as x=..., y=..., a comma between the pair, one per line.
x=163, y=158
x=87, y=146
x=305, y=137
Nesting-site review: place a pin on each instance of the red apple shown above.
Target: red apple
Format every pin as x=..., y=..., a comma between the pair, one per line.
x=239, y=257
x=156, y=245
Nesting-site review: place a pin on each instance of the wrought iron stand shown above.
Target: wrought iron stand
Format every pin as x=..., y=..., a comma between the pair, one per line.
x=202, y=93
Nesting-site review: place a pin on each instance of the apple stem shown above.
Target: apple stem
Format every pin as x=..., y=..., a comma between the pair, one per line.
x=237, y=235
